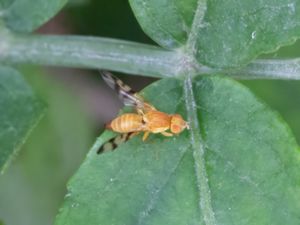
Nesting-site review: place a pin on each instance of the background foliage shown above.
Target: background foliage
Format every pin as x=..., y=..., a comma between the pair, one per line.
x=34, y=186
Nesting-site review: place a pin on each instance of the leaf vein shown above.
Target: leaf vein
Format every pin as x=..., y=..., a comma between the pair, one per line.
x=155, y=197
x=198, y=154
x=196, y=26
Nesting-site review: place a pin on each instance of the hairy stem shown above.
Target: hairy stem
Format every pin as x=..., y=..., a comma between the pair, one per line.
x=125, y=56
x=287, y=69
x=87, y=52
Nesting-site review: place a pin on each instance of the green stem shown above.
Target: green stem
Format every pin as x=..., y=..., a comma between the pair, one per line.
x=125, y=56
x=88, y=52
x=287, y=69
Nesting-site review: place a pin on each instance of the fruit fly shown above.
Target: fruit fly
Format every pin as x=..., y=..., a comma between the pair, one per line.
x=146, y=119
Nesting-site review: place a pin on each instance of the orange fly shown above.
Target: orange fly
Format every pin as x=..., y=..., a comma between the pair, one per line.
x=147, y=118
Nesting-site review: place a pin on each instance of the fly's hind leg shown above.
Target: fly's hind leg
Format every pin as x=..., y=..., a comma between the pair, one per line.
x=167, y=134
x=146, y=135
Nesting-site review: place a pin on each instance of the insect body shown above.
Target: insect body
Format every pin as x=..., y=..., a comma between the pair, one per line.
x=128, y=122
x=147, y=118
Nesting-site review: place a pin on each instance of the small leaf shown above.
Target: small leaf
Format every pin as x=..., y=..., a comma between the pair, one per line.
x=220, y=33
x=249, y=170
x=19, y=112
x=27, y=15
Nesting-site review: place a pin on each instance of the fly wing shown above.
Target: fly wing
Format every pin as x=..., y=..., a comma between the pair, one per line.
x=114, y=142
x=126, y=94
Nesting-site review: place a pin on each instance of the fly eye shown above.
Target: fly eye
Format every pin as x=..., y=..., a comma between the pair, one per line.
x=175, y=129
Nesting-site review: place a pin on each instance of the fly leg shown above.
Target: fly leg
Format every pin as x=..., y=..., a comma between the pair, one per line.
x=167, y=134
x=146, y=135
x=140, y=111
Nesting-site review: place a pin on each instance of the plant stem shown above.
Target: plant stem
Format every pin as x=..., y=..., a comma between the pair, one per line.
x=287, y=69
x=87, y=52
x=125, y=56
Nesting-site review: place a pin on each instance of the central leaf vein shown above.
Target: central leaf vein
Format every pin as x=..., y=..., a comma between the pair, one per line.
x=196, y=25
x=198, y=154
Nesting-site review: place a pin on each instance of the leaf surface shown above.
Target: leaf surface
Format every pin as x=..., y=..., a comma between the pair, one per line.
x=53, y=152
x=244, y=171
x=27, y=15
x=220, y=34
x=19, y=112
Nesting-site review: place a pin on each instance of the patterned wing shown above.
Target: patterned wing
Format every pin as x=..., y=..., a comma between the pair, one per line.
x=114, y=142
x=126, y=94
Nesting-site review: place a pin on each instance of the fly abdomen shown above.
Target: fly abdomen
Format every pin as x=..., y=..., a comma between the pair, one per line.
x=129, y=122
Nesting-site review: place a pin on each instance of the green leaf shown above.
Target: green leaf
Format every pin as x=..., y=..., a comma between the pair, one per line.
x=27, y=15
x=220, y=33
x=19, y=112
x=53, y=152
x=244, y=171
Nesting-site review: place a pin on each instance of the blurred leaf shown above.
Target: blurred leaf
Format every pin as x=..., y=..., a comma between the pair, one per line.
x=27, y=15
x=35, y=184
x=20, y=111
x=220, y=33
x=98, y=18
x=280, y=95
x=77, y=3
x=249, y=172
